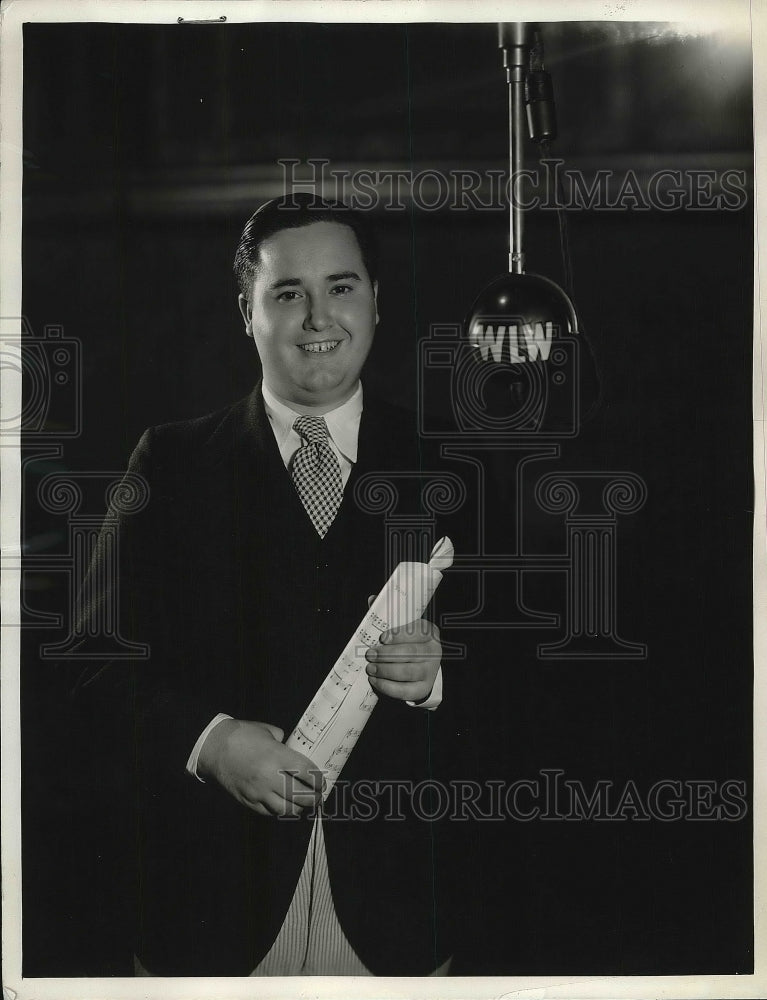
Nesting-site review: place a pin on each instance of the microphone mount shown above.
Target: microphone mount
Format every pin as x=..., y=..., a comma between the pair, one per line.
x=515, y=38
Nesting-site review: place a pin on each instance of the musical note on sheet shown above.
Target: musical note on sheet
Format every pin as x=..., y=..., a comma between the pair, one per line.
x=330, y=727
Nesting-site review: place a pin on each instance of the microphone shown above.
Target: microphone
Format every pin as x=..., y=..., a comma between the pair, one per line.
x=525, y=359
x=522, y=342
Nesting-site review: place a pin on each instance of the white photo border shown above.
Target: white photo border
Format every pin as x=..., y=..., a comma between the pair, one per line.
x=14, y=13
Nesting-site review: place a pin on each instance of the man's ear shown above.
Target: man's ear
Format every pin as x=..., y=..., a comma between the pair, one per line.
x=244, y=304
x=375, y=299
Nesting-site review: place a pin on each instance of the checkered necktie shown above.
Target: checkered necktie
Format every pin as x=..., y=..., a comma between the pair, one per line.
x=316, y=473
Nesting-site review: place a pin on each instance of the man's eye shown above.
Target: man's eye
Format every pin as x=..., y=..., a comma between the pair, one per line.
x=288, y=296
x=341, y=289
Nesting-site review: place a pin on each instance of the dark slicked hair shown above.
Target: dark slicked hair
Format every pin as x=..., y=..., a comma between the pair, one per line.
x=294, y=211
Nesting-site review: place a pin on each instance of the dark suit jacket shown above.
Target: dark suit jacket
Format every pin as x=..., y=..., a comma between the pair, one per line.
x=245, y=609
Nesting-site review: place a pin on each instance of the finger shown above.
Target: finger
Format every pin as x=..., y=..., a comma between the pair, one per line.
x=304, y=770
x=370, y=600
x=420, y=630
x=290, y=786
x=401, y=652
x=402, y=691
x=276, y=732
x=299, y=796
x=406, y=672
x=278, y=806
x=268, y=804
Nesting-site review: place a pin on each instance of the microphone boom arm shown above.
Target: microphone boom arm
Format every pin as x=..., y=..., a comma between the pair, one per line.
x=515, y=40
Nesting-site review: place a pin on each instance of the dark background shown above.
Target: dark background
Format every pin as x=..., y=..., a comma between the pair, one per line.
x=146, y=148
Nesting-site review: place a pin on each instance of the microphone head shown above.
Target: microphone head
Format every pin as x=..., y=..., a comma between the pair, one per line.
x=524, y=363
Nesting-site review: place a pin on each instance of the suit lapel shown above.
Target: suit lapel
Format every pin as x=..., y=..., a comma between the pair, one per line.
x=263, y=485
x=260, y=472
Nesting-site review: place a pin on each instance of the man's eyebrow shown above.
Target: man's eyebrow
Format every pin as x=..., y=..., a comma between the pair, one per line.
x=283, y=283
x=343, y=275
x=292, y=282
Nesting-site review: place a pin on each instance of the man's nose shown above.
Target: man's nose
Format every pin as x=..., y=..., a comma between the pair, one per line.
x=317, y=314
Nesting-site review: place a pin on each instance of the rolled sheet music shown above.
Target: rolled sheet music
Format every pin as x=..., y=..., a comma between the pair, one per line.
x=331, y=725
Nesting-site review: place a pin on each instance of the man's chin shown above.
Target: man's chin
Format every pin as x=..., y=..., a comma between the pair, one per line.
x=325, y=389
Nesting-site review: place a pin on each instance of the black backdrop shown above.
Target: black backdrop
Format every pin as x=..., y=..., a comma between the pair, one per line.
x=145, y=150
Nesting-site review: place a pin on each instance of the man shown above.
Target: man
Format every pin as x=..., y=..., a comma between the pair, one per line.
x=246, y=573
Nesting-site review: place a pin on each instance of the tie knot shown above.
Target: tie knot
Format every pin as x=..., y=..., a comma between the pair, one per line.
x=311, y=429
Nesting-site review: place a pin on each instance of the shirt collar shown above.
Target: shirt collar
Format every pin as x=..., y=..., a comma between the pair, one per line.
x=343, y=422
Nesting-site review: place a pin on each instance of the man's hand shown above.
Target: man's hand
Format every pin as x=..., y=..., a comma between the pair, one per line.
x=251, y=762
x=405, y=662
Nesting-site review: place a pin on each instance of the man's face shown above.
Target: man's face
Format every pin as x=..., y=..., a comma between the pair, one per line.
x=312, y=313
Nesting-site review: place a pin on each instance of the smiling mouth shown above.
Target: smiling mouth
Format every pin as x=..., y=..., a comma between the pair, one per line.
x=323, y=347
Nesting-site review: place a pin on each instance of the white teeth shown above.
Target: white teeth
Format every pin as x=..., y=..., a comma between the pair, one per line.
x=321, y=348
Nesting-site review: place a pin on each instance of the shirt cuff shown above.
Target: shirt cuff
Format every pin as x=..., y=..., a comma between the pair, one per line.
x=194, y=756
x=435, y=698
x=429, y=704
